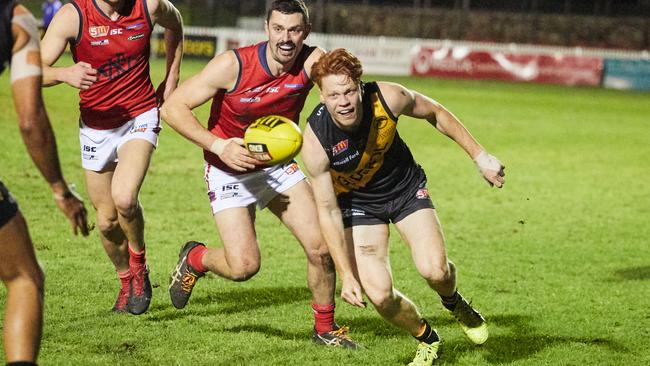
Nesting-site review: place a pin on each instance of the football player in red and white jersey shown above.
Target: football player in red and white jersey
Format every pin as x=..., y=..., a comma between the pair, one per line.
x=269, y=78
x=119, y=122
x=19, y=270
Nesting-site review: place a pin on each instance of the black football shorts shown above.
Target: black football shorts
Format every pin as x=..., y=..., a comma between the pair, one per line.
x=415, y=198
x=8, y=206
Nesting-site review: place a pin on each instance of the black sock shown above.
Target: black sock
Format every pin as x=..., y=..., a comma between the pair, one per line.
x=21, y=363
x=429, y=336
x=451, y=301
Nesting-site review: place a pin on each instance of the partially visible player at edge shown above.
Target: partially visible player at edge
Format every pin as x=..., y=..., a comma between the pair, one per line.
x=271, y=77
x=19, y=271
x=119, y=121
x=364, y=177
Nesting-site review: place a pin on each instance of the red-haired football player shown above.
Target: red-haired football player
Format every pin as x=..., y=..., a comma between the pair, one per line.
x=364, y=177
x=19, y=271
x=119, y=122
x=271, y=77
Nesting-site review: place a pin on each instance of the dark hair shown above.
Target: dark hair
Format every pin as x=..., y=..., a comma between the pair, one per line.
x=337, y=62
x=289, y=7
x=6, y=37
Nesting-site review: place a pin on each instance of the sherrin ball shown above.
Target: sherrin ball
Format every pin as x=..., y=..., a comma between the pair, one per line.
x=273, y=139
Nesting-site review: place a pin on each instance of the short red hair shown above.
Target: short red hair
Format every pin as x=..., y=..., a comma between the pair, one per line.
x=337, y=62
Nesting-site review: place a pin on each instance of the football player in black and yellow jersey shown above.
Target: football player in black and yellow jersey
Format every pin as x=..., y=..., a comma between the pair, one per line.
x=364, y=177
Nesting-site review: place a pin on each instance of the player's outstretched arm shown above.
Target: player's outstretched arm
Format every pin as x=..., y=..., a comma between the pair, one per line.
x=64, y=28
x=220, y=73
x=35, y=126
x=414, y=104
x=164, y=13
x=329, y=217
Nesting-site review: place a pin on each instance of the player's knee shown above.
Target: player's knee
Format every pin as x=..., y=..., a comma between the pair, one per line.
x=437, y=273
x=30, y=280
x=107, y=223
x=244, y=271
x=320, y=257
x=381, y=298
x=125, y=204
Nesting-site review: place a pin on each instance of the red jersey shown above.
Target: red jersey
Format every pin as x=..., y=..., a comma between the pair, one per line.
x=119, y=50
x=256, y=94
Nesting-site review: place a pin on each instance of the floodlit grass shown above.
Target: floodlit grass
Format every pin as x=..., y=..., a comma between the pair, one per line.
x=558, y=261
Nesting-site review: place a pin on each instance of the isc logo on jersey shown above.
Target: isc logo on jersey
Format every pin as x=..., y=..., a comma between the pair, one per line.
x=273, y=139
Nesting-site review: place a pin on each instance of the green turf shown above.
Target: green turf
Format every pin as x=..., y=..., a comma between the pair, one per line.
x=558, y=261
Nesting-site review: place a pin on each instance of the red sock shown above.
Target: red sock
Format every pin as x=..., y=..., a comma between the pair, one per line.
x=324, y=317
x=195, y=258
x=136, y=259
x=125, y=278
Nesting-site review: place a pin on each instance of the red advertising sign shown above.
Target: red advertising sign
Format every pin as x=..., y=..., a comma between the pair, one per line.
x=462, y=62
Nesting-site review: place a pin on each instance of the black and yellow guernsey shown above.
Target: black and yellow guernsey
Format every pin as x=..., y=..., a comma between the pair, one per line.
x=371, y=164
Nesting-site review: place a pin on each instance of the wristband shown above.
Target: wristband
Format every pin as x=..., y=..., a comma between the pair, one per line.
x=485, y=161
x=69, y=193
x=218, y=146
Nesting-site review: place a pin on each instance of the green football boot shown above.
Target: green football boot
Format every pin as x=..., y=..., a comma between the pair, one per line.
x=426, y=354
x=471, y=321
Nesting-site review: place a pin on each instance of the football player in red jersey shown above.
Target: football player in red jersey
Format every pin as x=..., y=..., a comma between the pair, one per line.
x=19, y=271
x=119, y=122
x=245, y=84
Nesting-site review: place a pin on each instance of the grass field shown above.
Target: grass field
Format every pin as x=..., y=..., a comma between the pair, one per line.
x=558, y=261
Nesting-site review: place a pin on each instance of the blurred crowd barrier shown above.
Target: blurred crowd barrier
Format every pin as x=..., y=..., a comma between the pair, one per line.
x=401, y=20
x=488, y=26
x=622, y=69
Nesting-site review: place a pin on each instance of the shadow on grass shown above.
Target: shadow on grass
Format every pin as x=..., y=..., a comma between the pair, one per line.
x=376, y=325
x=634, y=273
x=269, y=332
x=231, y=301
x=521, y=343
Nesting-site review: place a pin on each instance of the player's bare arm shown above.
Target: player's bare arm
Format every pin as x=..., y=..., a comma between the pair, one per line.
x=329, y=217
x=63, y=30
x=411, y=103
x=313, y=57
x=220, y=73
x=35, y=127
x=166, y=15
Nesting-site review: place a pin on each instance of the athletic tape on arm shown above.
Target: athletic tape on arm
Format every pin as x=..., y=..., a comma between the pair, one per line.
x=22, y=65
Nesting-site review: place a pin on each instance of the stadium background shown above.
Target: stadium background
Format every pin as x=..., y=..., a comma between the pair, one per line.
x=557, y=260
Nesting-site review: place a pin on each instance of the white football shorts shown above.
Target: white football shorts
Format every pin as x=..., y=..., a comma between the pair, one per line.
x=99, y=147
x=227, y=190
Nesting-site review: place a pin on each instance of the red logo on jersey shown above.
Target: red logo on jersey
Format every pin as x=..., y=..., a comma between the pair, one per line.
x=340, y=147
x=98, y=31
x=422, y=193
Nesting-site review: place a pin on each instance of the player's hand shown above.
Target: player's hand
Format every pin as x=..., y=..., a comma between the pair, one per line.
x=233, y=153
x=72, y=206
x=351, y=292
x=164, y=90
x=80, y=75
x=491, y=169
